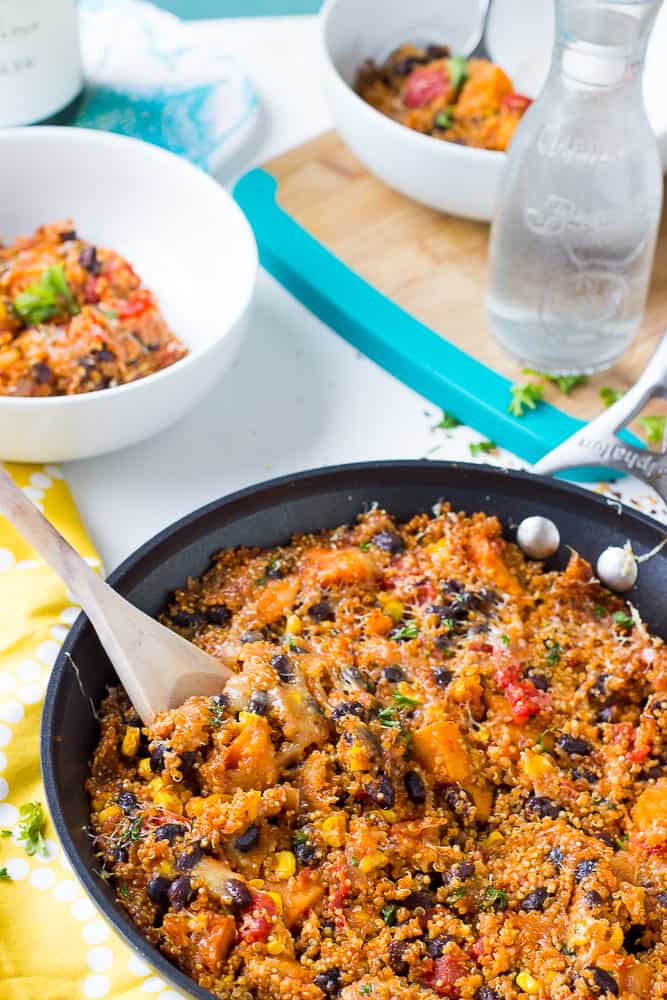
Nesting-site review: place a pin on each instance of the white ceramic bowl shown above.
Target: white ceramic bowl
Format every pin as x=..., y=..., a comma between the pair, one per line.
x=187, y=239
x=443, y=175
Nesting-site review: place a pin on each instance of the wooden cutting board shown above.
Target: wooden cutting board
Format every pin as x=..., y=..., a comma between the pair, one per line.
x=432, y=265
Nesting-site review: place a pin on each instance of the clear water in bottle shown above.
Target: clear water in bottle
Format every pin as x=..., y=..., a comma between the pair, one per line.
x=573, y=240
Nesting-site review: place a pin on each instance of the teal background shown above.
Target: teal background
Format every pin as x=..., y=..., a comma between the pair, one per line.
x=193, y=9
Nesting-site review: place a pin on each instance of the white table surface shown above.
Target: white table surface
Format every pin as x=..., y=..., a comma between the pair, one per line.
x=298, y=396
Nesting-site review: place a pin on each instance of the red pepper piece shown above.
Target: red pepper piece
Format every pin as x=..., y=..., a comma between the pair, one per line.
x=425, y=85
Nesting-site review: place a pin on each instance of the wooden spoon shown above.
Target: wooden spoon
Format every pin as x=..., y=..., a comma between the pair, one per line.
x=158, y=668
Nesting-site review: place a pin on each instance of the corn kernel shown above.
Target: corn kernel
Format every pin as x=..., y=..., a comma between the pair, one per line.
x=166, y=868
x=358, y=758
x=195, y=806
x=394, y=609
x=111, y=812
x=169, y=800
x=256, y=883
x=617, y=938
x=390, y=815
x=252, y=801
x=277, y=899
x=130, y=743
x=155, y=784
x=537, y=765
x=483, y=734
x=459, y=690
x=333, y=830
x=293, y=625
x=145, y=769
x=247, y=717
x=283, y=865
x=274, y=946
x=528, y=983
x=494, y=839
x=376, y=859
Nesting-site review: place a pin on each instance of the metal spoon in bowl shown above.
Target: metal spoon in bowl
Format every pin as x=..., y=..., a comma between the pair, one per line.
x=158, y=668
x=481, y=50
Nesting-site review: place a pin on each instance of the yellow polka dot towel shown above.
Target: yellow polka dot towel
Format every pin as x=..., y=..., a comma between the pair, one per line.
x=54, y=945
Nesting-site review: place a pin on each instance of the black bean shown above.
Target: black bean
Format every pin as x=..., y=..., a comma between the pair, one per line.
x=593, y=898
x=535, y=900
x=607, y=838
x=329, y=981
x=584, y=869
x=88, y=260
x=187, y=619
x=573, y=746
x=220, y=700
x=607, y=714
x=652, y=773
x=396, y=952
x=420, y=899
x=191, y=856
x=405, y=66
x=458, y=800
x=542, y=806
x=305, y=853
x=486, y=993
x=393, y=673
x=189, y=760
x=41, y=373
x=435, y=946
x=603, y=981
x=453, y=587
x=599, y=687
x=283, y=667
x=104, y=355
x=583, y=774
x=157, y=757
x=556, y=857
x=540, y=681
x=119, y=855
x=381, y=792
x=128, y=802
x=661, y=900
x=248, y=839
x=157, y=890
x=218, y=614
x=443, y=677
x=389, y=541
x=348, y=708
x=181, y=892
x=321, y=612
x=67, y=235
x=170, y=832
x=437, y=52
x=239, y=893
x=415, y=787
x=633, y=939
x=259, y=703
x=254, y=636
x=460, y=873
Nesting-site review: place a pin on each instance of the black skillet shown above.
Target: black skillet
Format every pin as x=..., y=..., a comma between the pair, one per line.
x=268, y=515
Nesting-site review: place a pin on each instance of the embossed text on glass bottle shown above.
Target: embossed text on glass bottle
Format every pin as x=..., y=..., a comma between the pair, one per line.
x=573, y=240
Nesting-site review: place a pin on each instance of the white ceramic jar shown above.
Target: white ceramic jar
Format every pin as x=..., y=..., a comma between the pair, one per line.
x=40, y=62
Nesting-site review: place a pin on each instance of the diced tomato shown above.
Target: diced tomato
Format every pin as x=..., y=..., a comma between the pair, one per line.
x=639, y=754
x=137, y=304
x=427, y=592
x=341, y=893
x=516, y=102
x=425, y=85
x=444, y=976
x=257, y=922
x=90, y=292
x=524, y=699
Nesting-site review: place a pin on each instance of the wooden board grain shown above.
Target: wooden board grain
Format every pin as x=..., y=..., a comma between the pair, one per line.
x=433, y=265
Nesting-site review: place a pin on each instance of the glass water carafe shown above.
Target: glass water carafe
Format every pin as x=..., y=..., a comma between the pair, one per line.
x=573, y=240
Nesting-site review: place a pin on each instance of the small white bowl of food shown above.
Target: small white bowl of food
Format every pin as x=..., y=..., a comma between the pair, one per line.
x=126, y=279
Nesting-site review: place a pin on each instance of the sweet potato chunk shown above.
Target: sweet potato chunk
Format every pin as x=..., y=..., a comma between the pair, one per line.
x=439, y=747
x=327, y=567
x=251, y=756
x=216, y=941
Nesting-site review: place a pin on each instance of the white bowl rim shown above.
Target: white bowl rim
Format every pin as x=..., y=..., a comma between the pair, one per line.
x=419, y=139
x=76, y=134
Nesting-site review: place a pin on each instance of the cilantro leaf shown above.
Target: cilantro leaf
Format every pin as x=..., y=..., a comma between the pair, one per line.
x=4, y=875
x=449, y=421
x=610, y=396
x=564, y=383
x=623, y=620
x=408, y=631
x=216, y=713
x=404, y=701
x=505, y=639
x=132, y=833
x=364, y=546
x=458, y=71
x=366, y=989
x=456, y=894
x=300, y=837
x=525, y=395
x=47, y=297
x=495, y=899
x=653, y=427
x=123, y=891
x=444, y=120
x=388, y=914
x=554, y=651
x=482, y=447
x=599, y=611
x=386, y=719
x=31, y=826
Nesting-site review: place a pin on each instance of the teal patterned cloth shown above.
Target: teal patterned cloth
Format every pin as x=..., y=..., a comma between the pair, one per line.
x=151, y=76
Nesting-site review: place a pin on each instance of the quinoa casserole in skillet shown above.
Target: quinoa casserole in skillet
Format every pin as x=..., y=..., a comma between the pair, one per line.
x=440, y=771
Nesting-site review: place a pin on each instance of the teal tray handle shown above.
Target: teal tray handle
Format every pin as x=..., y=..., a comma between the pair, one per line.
x=393, y=338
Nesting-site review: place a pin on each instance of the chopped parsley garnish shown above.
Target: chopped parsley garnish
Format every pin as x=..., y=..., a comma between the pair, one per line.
x=404, y=701
x=554, y=651
x=564, y=383
x=449, y=421
x=388, y=914
x=4, y=875
x=505, y=639
x=525, y=396
x=366, y=989
x=599, y=611
x=300, y=837
x=291, y=642
x=216, y=712
x=653, y=427
x=407, y=739
x=354, y=861
x=495, y=898
x=444, y=119
x=610, y=396
x=408, y=631
x=123, y=891
x=456, y=894
x=622, y=842
x=540, y=741
x=448, y=623
x=30, y=828
x=623, y=620
x=482, y=447
x=457, y=67
x=387, y=719
x=132, y=833
x=47, y=297
x=364, y=546
x=261, y=581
